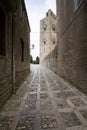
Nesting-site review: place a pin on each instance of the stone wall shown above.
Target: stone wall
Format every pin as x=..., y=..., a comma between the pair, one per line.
x=50, y=61
x=22, y=31
x=5, y=89
x=20, y=77
x=16, y=60
x=72, y=47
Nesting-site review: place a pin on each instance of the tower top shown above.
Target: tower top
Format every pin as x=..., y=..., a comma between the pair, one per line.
x=50, y=13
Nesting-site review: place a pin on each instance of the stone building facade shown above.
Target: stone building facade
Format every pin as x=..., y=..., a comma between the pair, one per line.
x=72, y=41
x=48, y=40
x=14, y=46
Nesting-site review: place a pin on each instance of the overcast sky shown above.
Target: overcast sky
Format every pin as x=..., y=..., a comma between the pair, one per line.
x=36, y=10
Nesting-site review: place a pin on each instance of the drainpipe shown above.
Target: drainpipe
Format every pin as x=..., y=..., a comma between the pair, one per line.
x=13, y=57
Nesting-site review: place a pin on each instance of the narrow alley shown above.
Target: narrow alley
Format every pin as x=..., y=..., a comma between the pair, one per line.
x=45, y=101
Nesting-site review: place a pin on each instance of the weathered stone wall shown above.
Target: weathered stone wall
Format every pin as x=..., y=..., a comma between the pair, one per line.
x=5, y=89
x=20, y=31
x=50, y=61
x=22, y=68
x=5, y=64
x=72, y=47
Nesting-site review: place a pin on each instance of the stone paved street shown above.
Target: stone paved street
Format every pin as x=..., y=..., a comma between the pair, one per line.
x=45, y=102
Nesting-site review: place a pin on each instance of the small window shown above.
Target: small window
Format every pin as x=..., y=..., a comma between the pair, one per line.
x=44, y=27
x=53, y=27
x=22, y=50
x=43, y=22
x=44, y=42
x=47, y=14
x=51, y=13
x=53, y=42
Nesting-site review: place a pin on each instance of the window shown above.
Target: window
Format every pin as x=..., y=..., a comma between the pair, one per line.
x=44, y=42
x=43, y=22
x=51, y=13
x=47, y=14
x=22, y=50
x=53, y=27
x=44, y=27
x=77, y=4
x=2, y=33
x=53, y=42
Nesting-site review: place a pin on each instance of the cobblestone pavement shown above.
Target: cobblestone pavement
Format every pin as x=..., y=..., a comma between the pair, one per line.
x=45, y=102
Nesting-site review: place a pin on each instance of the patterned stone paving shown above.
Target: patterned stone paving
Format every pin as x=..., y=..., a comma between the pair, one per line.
x=13, y=105
x=84, y=113
x=25, y=123
x=70, y=119
x=62, y=104
x=34, y=85
x=63, y=87
x=18, y=97
x=45, y=101
x=32, y=96
x=50, y=80
x=43, y=85
x=5, y=122
x=54, y=87
x=35, y=81
x=32, y=89
x=58, y=95
x=78, y=102
x=30, y=105
x=48, y=121
x=46, y=105
x=42, y=81
x=43, y=95
x=69, y=94
x=43, y=89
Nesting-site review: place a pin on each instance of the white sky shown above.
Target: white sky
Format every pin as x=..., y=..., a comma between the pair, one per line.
x=36, y=10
